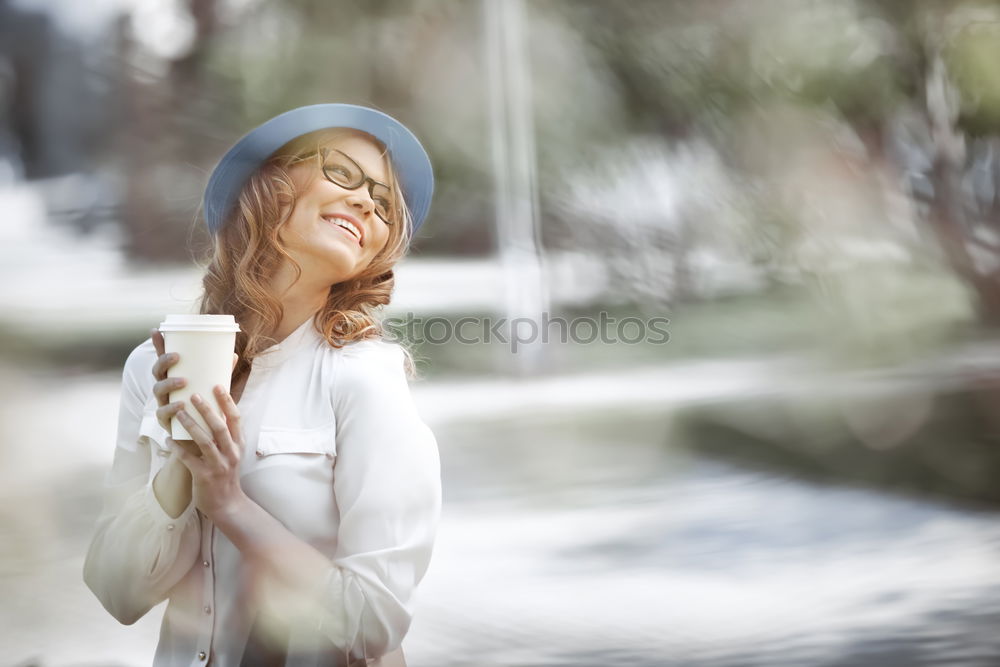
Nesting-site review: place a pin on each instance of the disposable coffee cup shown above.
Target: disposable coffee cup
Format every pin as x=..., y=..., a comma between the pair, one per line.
x=205, y=345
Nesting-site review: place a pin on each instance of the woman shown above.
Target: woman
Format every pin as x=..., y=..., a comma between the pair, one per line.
x=296, y=531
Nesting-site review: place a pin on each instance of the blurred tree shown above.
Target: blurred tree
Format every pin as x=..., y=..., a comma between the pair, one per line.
x=171, y=102
x=914, y=82
x=941, y=56
x=40, y=68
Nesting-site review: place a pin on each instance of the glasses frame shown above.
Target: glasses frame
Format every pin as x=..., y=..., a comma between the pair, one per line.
x=365, y=178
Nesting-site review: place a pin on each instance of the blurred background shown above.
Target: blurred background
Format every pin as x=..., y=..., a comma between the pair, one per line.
x=806, y=473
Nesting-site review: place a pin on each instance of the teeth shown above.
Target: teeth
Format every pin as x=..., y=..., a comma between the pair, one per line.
x=346, y=225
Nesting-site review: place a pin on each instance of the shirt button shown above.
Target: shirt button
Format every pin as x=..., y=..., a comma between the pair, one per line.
x=201, y=655
x=205, y=563
x=260, y=453
x=208, y=610
x=170, y=526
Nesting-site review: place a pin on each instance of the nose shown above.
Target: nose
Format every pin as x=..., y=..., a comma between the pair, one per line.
x=361, y=200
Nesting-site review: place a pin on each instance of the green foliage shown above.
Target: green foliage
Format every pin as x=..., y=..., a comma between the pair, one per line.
x=972, y=56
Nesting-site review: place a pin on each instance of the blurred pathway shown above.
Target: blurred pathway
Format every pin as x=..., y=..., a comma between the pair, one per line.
x=572, y=534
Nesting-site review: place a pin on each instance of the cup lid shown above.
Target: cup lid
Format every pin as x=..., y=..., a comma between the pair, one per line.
x=193, y=322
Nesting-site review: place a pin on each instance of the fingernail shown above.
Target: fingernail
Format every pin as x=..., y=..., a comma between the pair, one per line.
x=196, y=398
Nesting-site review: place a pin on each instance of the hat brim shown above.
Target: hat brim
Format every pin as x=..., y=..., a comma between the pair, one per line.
x=408, y=156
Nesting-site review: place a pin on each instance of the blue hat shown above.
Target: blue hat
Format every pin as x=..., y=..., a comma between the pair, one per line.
x=234, y=169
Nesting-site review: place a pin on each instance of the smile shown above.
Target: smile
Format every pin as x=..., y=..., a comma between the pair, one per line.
x=346, y=225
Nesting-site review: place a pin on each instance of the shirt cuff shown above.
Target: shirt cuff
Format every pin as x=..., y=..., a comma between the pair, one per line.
x=342, y=607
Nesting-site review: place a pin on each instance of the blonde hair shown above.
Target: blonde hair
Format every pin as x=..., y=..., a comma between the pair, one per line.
x=247, y=251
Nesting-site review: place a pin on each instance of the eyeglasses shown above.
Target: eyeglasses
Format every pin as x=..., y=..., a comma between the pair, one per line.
x=341, y=170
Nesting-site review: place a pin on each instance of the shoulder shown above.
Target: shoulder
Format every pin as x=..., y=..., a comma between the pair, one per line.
x=372, y=356
x=371, y=395
x=139, y=363
x=370, y=368
x=137, y=374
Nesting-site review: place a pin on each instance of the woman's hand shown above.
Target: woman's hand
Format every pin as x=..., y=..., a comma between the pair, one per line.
x=164, y=386
x=216, y=472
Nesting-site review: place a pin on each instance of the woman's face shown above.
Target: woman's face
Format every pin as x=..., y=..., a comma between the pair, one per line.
x=313, y=235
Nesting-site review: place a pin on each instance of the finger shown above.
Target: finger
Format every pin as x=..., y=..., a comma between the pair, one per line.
x=236, y=359
x=220, y=429
x=163, y=388
x=209, y=451
x=163, y=362
x=233, y=419
x=165, y=413
x=157, y=341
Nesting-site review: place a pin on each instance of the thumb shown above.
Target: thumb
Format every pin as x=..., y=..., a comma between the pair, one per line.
x=236, y=358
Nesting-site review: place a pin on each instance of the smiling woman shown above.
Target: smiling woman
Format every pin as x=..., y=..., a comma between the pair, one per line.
x=334, y=208
x=296, y=531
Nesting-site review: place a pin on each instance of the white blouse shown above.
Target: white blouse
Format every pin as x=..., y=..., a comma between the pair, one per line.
x=336, y=451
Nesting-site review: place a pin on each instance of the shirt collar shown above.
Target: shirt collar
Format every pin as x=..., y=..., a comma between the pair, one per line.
x=303, y=336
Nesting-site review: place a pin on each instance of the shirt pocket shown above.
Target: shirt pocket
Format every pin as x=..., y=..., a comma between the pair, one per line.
x=318, y=442
x=290, y=475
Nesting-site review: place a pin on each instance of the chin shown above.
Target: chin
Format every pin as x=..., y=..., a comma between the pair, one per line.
x=337, y=259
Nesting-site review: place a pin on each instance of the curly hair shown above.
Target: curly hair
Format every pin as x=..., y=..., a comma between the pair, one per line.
x=247, y=251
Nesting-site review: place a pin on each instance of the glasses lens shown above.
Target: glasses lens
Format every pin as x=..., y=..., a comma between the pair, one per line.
x=382, y=196
x=342, y=170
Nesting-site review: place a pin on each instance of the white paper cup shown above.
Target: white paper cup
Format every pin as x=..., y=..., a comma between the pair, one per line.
x=205, y=345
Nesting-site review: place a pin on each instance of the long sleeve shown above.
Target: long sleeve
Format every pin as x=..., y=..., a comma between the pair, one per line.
x=138, y=552
x=387, y=482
